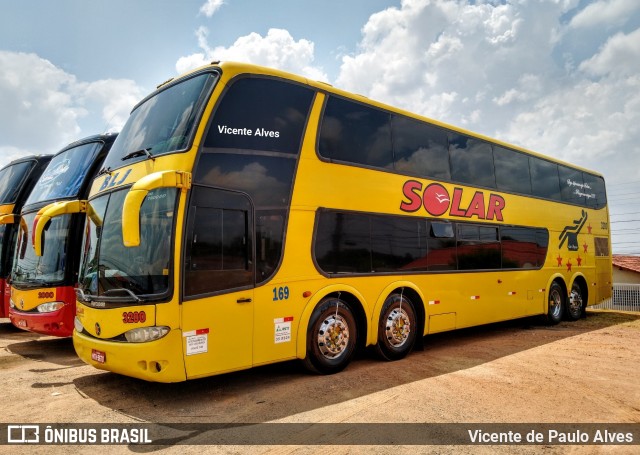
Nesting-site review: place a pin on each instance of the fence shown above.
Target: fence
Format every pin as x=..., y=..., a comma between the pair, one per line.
x=626, y=297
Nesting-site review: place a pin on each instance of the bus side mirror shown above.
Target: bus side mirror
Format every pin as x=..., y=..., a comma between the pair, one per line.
x=135, y=197
x=8, y=218
x=50, y=211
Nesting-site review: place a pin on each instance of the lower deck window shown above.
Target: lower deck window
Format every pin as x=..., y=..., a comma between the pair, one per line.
x=360, y=243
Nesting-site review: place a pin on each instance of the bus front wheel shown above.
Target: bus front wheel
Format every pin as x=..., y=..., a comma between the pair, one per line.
x=331, y=339
x=556, y=304
x=397, y=328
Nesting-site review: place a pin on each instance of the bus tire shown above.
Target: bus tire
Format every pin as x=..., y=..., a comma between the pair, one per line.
x=556, y=304
x=574, y=307
x=331, y=339
x=397, y=328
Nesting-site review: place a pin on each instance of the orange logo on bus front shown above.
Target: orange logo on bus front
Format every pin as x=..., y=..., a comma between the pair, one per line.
x=435, y=199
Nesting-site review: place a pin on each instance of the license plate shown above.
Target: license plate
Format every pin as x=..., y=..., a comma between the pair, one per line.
x=98, y=356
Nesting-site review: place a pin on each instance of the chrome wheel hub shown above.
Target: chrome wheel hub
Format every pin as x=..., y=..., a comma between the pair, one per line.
x=397, y=327
x=575, y=300
x=333, y=336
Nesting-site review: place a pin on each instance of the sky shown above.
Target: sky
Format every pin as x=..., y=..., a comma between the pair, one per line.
x=561, y=77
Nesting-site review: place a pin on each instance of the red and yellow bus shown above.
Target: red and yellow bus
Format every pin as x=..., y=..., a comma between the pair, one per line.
x=45, y=269
x=248, y=216
x=16, y=181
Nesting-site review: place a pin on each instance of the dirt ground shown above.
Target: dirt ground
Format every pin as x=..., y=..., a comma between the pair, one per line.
x=514, y=372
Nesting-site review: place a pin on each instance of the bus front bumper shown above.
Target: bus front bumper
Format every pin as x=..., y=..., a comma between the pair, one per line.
x=57, y=323
x=159, y=361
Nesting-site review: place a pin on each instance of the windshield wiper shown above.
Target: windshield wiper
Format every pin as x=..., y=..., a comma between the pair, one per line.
x=139, y=153
x=104, y=170
x=128, y=291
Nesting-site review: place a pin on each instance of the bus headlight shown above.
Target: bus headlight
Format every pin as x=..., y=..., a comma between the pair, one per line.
x=49, y=307
x=144, y=334
x=77, y=324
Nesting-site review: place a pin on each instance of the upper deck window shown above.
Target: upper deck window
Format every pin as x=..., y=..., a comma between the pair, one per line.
x=11, y=178
x=356, y=133
x=163, y=123
x=65, y=174
x=260, y=114
x=420, y=148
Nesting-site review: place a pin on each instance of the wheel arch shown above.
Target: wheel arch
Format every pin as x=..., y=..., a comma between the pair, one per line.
x=557, y=278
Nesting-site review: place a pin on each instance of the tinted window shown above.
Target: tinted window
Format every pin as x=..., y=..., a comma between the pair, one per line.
x=50, y=267
x=267, y=179
x=261, y=114
x=11, y=178
x=359, y=243
x=108, y=266
x=420, y=148
x=596, y=194
x=355, y=133
x=544, y=179
x=218, y=253
x=343, y=243
x=65, y=173
x=571, y=185
x=471, y=161
x=478, y=247
x=397, y=243
x=512, y=170
x=163, y=123
x=441, y=246
x=523, y=247
x=602, y=246
x=269, y=242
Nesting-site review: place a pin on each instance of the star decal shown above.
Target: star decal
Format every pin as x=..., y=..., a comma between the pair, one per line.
x=579, y=261
x=585, y=246
x=559, y=260
x=589, y=228
x=569, y=264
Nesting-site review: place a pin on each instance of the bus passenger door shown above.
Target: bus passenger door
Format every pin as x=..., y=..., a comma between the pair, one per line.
x=218, y=300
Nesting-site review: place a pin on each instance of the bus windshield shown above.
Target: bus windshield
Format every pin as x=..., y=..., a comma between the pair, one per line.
x=65, y=173
x=11, y=178
x=163, y=123
x=49, y=268
x=109, y=269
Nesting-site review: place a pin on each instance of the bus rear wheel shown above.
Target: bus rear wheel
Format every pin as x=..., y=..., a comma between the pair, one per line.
x=556, y=304
x=396, y=328
x=331, y=339
x=575, y=307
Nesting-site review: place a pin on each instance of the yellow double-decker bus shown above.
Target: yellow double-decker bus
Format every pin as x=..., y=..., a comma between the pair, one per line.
x=247, y=216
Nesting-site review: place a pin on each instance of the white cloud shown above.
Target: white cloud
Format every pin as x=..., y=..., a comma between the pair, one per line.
x=210, y=7
x=604, y=13
x=277, y=49
x=450, y=59
x=116, y=96
x=619, y=55
x=43, y=106
x=38, y=108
